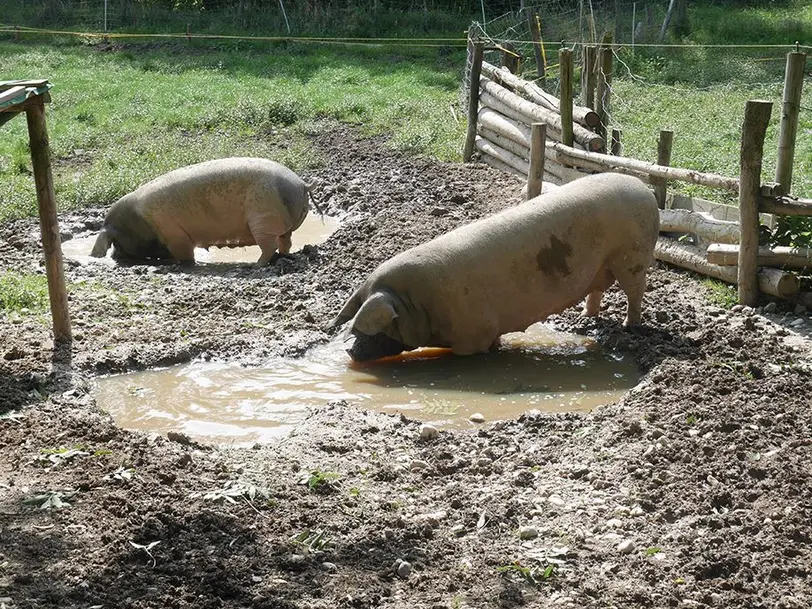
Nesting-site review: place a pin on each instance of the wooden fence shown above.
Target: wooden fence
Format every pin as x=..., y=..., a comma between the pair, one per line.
x=516, y=126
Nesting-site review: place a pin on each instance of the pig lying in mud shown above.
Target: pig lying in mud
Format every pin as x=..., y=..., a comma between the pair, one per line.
x=226, y=202
x=501, y=274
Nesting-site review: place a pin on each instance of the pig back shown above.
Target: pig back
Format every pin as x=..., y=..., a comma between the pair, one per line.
x=507, y=271
x=213, y=201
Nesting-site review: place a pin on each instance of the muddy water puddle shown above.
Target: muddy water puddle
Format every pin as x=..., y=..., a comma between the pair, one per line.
x=315, y=229
x=226, y=403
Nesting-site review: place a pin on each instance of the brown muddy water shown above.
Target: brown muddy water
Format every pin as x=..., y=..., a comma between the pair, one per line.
x=315, y=229
x=541, y=369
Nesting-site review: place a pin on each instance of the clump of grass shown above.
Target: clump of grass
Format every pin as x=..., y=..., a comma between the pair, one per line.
x=720, y=293
x=23, y=293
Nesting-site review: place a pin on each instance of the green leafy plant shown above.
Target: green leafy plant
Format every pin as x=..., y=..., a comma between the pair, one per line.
x=532, y=575
x=653, y=550
x=320, y=481
x=57, y=456
x=314, y=541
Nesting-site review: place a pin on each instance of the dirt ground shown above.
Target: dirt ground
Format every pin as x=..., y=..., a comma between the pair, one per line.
x=692, y=491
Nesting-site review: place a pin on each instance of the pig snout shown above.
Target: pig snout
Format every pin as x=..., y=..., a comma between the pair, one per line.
x=366, y=348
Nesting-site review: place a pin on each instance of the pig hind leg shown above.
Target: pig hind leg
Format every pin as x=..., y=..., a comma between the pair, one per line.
x=270, y=232
x=603, y=279
x=632, y=280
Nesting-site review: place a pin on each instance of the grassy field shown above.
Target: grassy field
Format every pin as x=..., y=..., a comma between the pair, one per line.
x=122, y=115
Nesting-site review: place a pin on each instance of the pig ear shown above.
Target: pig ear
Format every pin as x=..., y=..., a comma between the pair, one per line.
x=375, y=315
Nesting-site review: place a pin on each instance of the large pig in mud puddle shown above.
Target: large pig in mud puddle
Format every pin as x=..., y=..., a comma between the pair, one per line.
x=226, y=202
x=503, y=273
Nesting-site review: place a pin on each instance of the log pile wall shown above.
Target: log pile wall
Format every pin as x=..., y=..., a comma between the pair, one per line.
x=506, y=107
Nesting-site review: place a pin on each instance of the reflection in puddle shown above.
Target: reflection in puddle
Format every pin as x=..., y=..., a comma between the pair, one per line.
x=541, y=369
x=315, y=229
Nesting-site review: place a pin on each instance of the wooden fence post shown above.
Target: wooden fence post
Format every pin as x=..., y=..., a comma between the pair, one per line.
x=793, y=86
x=565, y=106
x=510, y=58
x=538, y=143
x=473, y=100
x=49, y=226
x=617, y=145
x=535, y=33
x=588, y=77
x=603, y=94
x=754, y=128
x=664, y=146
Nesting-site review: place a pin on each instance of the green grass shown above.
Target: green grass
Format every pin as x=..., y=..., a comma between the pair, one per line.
x=23, y=293
x=119, y=118
x=720, y=293
x=124, y=113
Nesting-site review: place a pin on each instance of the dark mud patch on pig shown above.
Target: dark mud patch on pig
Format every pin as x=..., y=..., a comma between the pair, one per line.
x=691, y=492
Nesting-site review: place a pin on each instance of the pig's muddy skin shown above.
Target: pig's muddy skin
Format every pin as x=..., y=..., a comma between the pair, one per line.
x=466, y=288
x=691, y=492
x=226, y=203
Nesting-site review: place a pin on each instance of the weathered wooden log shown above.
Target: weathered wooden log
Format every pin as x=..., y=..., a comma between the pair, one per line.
x=502, y=166
x=785, y=206
x=518, y=148
x=573, y=156
x=754, y=128
x=512, y=129
x=793, y=86
x=664, y=146
x=533, y=113
x=566, y=105
x=498, y=164
x=586, y=117
x=49, y=224
x=698, y=223
x=499, y=107
x=473, y=99
x=726, y=254
x=493, y=122
x=535, y=176
x=588, y=166
x=506, y=156
x=770, y=281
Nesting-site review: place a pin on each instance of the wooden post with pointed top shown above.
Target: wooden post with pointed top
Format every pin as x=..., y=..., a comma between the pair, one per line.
x=754, y=128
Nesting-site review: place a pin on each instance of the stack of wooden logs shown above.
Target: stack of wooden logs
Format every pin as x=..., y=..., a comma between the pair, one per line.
x=504, y=110
x=508, y=106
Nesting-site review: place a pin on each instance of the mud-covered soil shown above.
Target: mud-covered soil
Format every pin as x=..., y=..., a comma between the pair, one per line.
x=693, y=491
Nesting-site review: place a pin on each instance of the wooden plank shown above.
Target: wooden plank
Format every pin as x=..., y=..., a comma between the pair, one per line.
x=8, y=84
x=11, y=93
